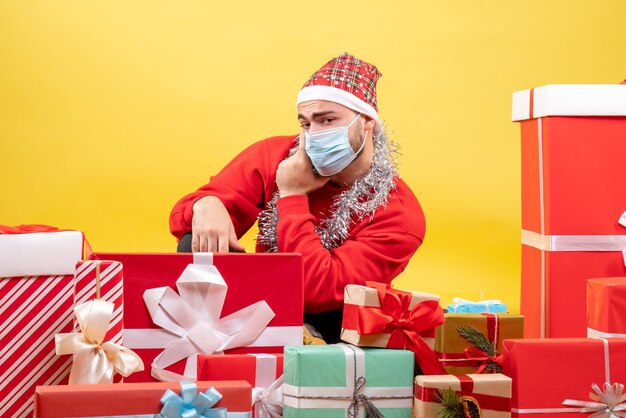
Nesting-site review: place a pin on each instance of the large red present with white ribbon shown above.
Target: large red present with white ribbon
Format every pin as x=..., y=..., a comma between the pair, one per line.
x=606, y=307
x=37, y=306
x=378, y=316
x=554, y=377
x=263, y=371
x=573, y=200
x=207, y=303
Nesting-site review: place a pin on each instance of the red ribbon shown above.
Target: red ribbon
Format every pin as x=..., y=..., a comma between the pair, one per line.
x=26, y=229
x=406, y=326
x=476, y=354
x=490, y=402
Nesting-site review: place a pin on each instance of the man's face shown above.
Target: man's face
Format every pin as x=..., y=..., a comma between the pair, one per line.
x=319, y=115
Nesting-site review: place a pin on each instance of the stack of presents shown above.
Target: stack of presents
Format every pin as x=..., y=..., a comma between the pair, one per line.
x=86, y=334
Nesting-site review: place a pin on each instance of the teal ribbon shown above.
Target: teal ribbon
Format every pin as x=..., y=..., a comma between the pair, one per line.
x=191, y=404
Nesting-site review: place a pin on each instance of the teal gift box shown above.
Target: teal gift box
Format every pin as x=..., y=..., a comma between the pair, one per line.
x=337, y=381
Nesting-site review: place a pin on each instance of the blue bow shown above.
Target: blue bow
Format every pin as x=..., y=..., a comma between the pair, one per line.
x=191, y=404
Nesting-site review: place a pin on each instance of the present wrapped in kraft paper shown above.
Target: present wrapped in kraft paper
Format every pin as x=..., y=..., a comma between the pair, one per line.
x=338, y=381
x=472, y=343
x=224, y=399
x=472, y=395
x=378, y=316
x=606, y=307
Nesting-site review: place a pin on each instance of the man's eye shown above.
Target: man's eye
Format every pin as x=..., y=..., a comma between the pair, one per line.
x=328, y=120
x=305, y=126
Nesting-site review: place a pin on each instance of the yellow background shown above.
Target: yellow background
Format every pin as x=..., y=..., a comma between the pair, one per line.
x=112, y=110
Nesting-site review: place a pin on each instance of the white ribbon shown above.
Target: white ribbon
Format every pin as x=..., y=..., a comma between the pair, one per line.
x=267, y=395
x=95, y=361
x=593, y=333
x=193, y=315
x=603, y=404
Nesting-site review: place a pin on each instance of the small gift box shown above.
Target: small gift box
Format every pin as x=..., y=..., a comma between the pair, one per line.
x=263, y=371
x=471, y=395
x=343, y=380
x=554, y=376
x=606, y=307
x=213, y=308
x=472, y=343
x=468, y=306
x=156, y=399
x=378, y=316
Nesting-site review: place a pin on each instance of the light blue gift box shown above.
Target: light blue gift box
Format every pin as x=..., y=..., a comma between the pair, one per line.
x=468, y=306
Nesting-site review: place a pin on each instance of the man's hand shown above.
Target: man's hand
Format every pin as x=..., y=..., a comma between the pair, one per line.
x=295, y=174
x=211, y=227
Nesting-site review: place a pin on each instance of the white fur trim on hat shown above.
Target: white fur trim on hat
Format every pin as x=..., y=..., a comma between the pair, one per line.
x=333, y=94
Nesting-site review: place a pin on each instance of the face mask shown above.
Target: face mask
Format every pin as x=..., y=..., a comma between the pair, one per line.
x=330, y=150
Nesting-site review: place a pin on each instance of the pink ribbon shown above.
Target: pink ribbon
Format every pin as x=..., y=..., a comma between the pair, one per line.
x=193, y=315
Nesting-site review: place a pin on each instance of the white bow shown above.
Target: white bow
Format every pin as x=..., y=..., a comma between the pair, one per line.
x=95, y=361
x=194, y=316
x=268, y=402
x=603, y=404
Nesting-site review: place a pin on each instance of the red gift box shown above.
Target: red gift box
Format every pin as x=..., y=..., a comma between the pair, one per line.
x=262, y=371
x=129, y=399
x=573, y=140
x=546, y=372
x=34, y=308
x=251, y=278
x=606, y=307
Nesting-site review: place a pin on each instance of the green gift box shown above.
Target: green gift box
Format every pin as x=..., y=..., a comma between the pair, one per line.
x=338, y=381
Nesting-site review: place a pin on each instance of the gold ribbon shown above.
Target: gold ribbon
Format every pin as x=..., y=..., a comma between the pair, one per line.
x=95, y=361
x=603, y=404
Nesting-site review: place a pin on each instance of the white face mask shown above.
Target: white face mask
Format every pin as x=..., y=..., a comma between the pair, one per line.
x=330, y=150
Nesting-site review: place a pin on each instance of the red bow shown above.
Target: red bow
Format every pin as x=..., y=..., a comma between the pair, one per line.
x=475, y=353
x=405, y=325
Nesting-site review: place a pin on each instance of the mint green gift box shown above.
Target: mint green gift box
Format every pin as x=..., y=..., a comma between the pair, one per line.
x=320, y=380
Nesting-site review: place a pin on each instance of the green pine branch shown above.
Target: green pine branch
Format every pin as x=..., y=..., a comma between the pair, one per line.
x=478, y=340
x=451, y=404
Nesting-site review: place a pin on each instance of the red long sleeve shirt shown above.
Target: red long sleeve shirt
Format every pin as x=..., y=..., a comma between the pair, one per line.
x=378, y=248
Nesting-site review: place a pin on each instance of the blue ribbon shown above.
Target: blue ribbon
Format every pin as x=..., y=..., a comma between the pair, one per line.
x=191, y=404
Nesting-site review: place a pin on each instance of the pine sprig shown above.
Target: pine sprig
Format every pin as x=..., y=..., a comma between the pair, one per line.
x=478, y=340
x=451, y=404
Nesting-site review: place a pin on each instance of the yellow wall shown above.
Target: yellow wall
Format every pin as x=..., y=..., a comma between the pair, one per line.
x=112, y=110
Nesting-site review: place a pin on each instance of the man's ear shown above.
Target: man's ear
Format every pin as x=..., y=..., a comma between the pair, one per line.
x=369, y=123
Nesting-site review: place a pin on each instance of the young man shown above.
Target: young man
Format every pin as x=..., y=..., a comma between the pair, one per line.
x=331, y=193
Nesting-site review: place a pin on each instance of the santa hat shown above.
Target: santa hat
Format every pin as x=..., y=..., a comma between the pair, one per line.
x=348, y=81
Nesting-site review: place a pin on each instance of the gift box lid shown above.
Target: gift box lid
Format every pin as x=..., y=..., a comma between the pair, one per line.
x=570, y=100
x=40, y=253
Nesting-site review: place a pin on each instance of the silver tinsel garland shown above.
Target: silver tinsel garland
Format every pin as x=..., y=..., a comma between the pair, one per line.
x=367, y=194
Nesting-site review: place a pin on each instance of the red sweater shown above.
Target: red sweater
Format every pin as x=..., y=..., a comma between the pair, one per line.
x=376, y=249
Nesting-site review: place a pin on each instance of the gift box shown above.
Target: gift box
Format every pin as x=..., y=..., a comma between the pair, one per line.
x=484, y=395
x=134, y=399
x=263, y=371
x=547, y=372
x=169, y=349
x=332, y=380
x=372, y=313
x=459, y=355
x=572, y=200
x=468, y=306
x=36, y=308
x=606, y=307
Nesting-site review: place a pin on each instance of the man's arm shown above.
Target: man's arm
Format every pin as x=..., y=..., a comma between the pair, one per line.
x=378, y=252
x=225, y=208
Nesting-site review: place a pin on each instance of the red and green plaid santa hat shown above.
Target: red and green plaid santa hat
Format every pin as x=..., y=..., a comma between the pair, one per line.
x=348, y=81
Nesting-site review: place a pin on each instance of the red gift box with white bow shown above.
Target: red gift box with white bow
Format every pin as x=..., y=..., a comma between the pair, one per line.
x=182, y=305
